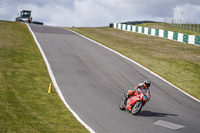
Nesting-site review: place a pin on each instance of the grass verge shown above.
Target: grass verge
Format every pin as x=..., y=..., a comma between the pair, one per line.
x=25, y=105
x=179, y=63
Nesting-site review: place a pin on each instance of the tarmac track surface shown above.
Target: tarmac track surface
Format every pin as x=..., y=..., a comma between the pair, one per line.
x=93, y=79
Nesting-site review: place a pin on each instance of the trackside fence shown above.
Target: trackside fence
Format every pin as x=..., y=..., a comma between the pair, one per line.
x=180, y=37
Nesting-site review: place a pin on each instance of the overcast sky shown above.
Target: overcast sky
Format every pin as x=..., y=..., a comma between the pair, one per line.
x=100, y=12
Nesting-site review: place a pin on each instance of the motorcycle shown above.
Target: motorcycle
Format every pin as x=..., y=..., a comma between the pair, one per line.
x=135, y=103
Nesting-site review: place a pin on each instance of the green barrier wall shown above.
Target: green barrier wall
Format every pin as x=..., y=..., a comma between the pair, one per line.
x=197, y=40
x=142, y=29
x=136, y=30
x=157, y=32
x=191, y=39
x=149, y=31
x=165, y=34
x=175, y=36
x=185, y=38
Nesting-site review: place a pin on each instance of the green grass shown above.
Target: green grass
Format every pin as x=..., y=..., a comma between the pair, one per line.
x=169, y=28
x=25, y=105
x=177, y=62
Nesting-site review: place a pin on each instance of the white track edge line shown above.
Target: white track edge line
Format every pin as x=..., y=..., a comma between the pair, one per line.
x=138, y=65
x=56, y=85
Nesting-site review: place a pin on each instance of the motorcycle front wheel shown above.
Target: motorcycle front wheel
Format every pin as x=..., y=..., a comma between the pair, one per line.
x=136, y=108
x=122, y=105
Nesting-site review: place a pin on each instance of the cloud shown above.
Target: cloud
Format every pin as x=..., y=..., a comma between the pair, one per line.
x=98, y=12
x=187, y=12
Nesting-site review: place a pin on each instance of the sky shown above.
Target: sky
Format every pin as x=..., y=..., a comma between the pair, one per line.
x=94, y=13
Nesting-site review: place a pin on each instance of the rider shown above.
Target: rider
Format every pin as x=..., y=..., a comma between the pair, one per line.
x=144, y=87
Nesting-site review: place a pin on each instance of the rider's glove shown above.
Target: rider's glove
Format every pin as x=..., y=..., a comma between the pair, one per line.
x=128, y=94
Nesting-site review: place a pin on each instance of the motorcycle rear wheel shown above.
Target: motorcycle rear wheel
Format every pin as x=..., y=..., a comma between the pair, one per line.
x=136, y=108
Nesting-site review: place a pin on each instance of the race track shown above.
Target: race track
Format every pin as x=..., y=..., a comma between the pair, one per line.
x=92, y=80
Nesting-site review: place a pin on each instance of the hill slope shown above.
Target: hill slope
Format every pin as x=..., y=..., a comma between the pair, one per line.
x=25, y=105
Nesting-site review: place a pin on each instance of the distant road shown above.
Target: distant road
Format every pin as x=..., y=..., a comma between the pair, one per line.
x=92, y=80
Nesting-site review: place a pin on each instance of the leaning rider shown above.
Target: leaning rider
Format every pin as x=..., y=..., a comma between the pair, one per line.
x=144, y=87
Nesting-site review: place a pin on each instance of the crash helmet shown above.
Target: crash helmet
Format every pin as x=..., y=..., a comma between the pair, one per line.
x=147, y=83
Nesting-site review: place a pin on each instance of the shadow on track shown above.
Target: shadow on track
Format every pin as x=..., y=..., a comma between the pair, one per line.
x=146, y=113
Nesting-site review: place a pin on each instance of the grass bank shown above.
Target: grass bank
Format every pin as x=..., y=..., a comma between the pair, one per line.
x=25, y=105
x=177, y=62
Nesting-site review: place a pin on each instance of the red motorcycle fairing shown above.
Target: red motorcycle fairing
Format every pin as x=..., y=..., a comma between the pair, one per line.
x=135, y=103
x=132, y=100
